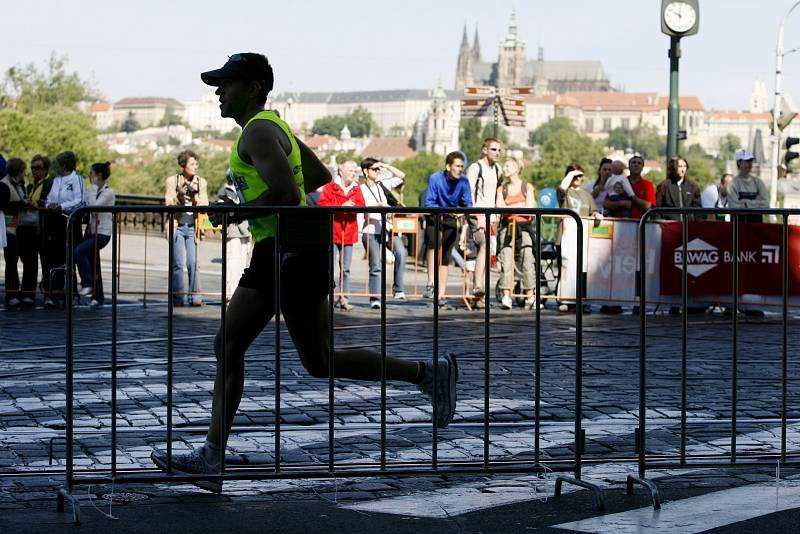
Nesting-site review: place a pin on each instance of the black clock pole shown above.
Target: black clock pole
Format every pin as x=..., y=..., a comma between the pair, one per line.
x=673, y=112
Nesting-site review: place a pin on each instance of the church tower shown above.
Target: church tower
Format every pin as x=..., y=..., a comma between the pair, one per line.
x=513, y=56
x=464, y=64
x=476, y=48
x=441, y=125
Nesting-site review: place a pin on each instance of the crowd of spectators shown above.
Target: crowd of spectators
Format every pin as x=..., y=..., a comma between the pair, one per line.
x=35, y=216
x=33, y=227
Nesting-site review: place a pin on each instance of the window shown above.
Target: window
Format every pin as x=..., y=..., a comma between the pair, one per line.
x=606, y=125
x=589, y=125
x=626, y=124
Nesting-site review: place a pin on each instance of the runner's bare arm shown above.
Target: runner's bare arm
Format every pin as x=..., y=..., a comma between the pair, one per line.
x=315, y=172
x=264, y=145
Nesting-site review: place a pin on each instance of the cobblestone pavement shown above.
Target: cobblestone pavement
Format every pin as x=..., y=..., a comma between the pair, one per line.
x=32, y=398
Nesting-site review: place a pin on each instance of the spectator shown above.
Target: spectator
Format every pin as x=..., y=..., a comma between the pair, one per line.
x=186, y=189
x=98, y=233
x=572, y=195
x=618, y=190
x=484, y=177
x=446, y=189
x=2, y=215
x=644, y=192
x=237, y=238
x=375, y=191
x=21, y=235
x=515, y=232
x=746, y=190
x=598, y=188
x=344, y=191
x=67, y=193
x=677, y=191
x=37, y=192
x=716, y=196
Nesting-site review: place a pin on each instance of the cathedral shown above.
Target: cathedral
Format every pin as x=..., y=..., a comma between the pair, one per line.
x=514, y=69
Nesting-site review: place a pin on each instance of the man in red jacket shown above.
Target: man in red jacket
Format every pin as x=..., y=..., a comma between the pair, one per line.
x=343, y=191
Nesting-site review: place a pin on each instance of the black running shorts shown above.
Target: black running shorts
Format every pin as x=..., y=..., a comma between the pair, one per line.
x=304, y=275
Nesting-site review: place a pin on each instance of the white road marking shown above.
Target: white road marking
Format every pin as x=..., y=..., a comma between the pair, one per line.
x=698, y=514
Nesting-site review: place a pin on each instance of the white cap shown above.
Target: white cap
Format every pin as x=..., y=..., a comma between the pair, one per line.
x=744, y=154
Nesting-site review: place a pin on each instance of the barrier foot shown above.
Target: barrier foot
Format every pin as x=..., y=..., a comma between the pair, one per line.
x=598, y=493
x=647, y=484
x=63, y=495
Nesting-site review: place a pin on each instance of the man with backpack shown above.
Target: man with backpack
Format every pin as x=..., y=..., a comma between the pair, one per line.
x=484, y=176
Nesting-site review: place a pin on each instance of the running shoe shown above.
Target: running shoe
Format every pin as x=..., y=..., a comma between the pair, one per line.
x=192, y=463
x=506, y=303
x=446, y=380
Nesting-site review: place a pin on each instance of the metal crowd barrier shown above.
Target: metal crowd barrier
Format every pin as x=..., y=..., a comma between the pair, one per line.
x=279, y=469
x=659, y=460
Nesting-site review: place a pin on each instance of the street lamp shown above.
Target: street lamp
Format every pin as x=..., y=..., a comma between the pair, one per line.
x=776, y=111
x=679, y=18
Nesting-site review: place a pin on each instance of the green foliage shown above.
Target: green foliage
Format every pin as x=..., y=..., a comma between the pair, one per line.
x=27, y=89
x=359, y=122
x=130, y=124
x=643, y=139
x=701, y=166
x=562, y=148
x=170, y=118
x=146, y=177
x=418, y=169
x=557, y=124
x=728, y=145
x=48, y=132
x=470, y=138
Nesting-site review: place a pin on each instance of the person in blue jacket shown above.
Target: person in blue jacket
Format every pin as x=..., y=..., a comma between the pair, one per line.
x=448, y=188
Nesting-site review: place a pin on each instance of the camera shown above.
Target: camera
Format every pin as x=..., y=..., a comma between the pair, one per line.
x=190, y=191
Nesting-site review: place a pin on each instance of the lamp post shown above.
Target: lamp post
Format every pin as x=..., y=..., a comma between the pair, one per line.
x=776, y=110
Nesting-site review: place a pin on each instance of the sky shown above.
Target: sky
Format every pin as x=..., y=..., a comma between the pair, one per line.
x=158, y=48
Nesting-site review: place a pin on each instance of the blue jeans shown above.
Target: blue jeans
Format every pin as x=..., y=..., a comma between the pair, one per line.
x=184, y=257
x=375, y=263
x=344, y=275
x=87, y=259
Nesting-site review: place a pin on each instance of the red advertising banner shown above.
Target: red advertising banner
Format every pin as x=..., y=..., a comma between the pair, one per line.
x=710, y=258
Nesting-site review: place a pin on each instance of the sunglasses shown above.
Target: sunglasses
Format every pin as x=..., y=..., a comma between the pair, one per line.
x=237, y=57
x=37, y=167
x=376, y=169
x=495, y=149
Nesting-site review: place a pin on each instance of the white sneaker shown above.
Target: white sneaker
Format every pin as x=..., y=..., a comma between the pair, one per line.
x=49, y=303
x=85, y=291
x=375, y=305
x=192, y=463
x=13, y=303
x=400, y=295
x=506, y=303
x=27, y=301
x=94, y=304
x=446, y=395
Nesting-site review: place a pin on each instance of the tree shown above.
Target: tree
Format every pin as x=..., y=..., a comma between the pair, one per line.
x=170, y=118
x=27, y=89
x=359, y=122
x=557, y=124
x=130, y=124
x=50, y=131
x=470, y=138
x=418, y=169
x=644, y=140
x=728, y=145
x=701, y=166
x=562, y=148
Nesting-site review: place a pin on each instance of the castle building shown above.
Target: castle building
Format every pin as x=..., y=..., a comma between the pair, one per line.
x=513, y=68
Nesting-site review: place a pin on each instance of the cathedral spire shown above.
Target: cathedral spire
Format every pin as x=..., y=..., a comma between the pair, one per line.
x=512, y=40
x=465, y=39
x=476, y=47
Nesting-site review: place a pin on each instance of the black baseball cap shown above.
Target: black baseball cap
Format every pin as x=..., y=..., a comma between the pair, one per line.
x=242, y=66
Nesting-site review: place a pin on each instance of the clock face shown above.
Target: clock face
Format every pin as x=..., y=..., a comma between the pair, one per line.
x=679, y=16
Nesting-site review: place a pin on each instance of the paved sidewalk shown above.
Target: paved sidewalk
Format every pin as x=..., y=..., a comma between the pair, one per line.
x=32, y=407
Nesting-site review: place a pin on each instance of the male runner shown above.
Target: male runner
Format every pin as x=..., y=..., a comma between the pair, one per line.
x=271, y=167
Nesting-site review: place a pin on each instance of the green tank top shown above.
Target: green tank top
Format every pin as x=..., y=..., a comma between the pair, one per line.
x=250, y=185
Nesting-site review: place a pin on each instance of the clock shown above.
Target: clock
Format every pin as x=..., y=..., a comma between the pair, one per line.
x=679, y=17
